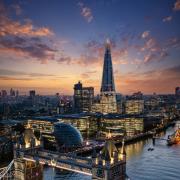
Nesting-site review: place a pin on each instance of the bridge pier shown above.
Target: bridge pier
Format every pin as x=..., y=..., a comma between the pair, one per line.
x=27, y=170
x=24, y=169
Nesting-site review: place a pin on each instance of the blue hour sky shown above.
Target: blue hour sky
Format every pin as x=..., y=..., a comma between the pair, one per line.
x=50, y=45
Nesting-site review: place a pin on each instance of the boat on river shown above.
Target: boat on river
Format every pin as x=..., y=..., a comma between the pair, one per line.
x=174, y=138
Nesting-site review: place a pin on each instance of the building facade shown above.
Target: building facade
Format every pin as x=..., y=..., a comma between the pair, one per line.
x=27, y=170
x=83, y=98
x=110, y=164
x=177, y=91
x=134, y=106
x=87, y=125
x=121, y=125
x=43, y=126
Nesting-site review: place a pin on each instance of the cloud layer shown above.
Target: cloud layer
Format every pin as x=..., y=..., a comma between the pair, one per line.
x=16, y=28
x=167, y=19
x=160, y=81
x=86, y=12
x=177, y=5
x=23, y=39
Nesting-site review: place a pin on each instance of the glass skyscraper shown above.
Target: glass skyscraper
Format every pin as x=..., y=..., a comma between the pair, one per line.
x=108, y=102
x=107, y=78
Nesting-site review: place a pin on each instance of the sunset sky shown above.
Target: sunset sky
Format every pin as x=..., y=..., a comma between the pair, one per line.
x=49, y=45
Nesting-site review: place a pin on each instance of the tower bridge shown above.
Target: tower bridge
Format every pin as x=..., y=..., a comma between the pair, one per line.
x=63, y=161
x=28, y=163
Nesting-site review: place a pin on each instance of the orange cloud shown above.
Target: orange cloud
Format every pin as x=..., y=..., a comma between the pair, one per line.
x=27, y=48
x=23, y=39
x=9, y=27
x=177, y=5
x=88, y=74
x=16, y=28
x=159, y=81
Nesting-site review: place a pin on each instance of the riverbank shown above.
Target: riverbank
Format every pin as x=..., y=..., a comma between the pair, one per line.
x=161, y=163
x=145, y=135
x=127, y=140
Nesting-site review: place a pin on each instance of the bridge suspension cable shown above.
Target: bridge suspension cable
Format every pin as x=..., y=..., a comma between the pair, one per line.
x=6, y=170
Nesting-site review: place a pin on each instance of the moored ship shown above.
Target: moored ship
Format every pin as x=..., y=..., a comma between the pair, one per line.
x=174, y=138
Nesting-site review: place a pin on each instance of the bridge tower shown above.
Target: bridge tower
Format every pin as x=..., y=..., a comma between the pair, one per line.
x=26, y=170
x=110, y=164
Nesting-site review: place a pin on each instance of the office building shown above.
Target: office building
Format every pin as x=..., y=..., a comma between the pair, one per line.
x=83, y=98
x=134, y=106
x=177, y=91
x=120, y=125
x=32, y=93
x=87, y=125
x=3, y=93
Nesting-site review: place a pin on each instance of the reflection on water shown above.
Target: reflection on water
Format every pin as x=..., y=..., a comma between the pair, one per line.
x=135, y=149
x=52, y=173
x=163, y=163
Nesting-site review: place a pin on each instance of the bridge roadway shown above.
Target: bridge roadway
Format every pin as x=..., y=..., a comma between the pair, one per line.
x=63, y=161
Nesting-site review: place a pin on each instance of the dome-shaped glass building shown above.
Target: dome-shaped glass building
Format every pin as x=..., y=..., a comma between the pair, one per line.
x=67, y=136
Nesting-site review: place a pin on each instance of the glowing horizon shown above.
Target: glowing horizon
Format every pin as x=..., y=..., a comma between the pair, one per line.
x=50, y=54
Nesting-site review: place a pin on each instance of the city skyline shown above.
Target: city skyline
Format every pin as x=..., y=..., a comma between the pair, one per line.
x=52, y=49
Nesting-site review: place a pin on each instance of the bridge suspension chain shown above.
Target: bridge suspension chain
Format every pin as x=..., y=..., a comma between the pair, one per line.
x=5, y=171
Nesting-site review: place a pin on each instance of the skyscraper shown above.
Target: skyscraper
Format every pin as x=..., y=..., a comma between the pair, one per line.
x=83, y=98
x=107, y=78
x=32, y=93
x=177, y=91
x=12, y=92
x=108, y=102
x=78, y=97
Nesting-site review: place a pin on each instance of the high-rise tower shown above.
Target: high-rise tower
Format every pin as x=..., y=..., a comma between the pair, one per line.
x=108, y=102
x=83, y=98
x=107, y=78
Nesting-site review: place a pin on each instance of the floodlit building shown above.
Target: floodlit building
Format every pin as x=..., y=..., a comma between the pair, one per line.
x=86, y=124
x=134, y=106
x=45, y=127
x=41, y=124
x=121, y=125
x=23, y=169
x=110, y=164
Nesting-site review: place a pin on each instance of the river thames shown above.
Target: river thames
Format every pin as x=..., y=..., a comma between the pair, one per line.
x=163, y=163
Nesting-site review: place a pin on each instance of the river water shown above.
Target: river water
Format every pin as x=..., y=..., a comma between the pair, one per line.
x=163, y=163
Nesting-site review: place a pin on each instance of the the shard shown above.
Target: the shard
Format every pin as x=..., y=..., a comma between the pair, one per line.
x=107, y=77
x=108, y=103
